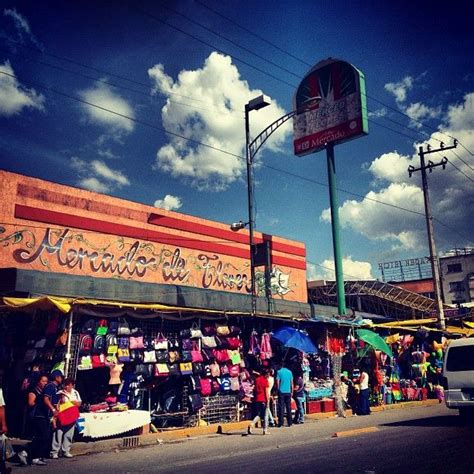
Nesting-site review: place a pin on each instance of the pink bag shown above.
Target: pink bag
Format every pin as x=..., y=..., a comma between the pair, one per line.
x=234, y=370
x=221, y=355
x=265, y=347
x=136, y=342
x=196, y=356
x=206, y=387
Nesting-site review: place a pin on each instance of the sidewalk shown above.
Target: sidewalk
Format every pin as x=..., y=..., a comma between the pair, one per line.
x=180, y=434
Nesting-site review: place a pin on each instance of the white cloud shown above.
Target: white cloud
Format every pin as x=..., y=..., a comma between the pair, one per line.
x=419, y=111
x=218, y=122
x=352, y=270
x=103, y=96
x=13, y=96
x=452, y=198
x=169, y=202
x=400, y=89
x=382, y=112
x=23, y=33
x=97, y=176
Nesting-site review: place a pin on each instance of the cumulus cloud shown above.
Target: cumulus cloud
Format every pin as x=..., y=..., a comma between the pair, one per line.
x=352, y=270
x=97, y=176
x=400, y=89
x=219, y=95
x=419, y=111
x=108, y=100
x=13, y=96
x=451, y=193
x=169, y=202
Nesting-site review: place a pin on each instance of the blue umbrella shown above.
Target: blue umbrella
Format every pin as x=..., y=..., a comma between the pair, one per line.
x=295, y=338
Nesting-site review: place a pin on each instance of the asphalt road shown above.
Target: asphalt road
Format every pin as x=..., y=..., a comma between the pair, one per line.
x=428, y=439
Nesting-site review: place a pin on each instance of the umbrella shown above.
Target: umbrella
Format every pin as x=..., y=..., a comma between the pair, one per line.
x=295, y=338
x=374, y=340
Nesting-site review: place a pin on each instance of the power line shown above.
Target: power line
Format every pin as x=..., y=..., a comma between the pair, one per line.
x=103, y=81
x=302, y=61
x=461, y=171
x=243, y=48
x=215, y=148
x=141, y=122
x=467, y=164
x=237, y=58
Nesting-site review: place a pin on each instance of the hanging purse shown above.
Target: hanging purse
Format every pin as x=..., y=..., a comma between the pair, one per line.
x=186, y=356
x=149, y=357
x=187, y=344
x=123, y=355
x=198, y=368
x=111, y=360
x=162, y=356
x=234, y=357
x=186, y=368
x=234, y=330
x=136, y=342
x=102, y=327
x=85, y=363
x=222, y=330
x=206, y=387
x=209, y=330
x=233, y=342
x=234, y=384
x=215, y=369
x=162, y=370
x=209, y=342
x=123, y=328
x=195, y=331
x=208, y=355
x=234, y=370
x=173, y=344
x=221, y=355
x=98, y=361
x=161, y=343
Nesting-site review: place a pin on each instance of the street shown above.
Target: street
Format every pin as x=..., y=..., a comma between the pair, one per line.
x=426, y=439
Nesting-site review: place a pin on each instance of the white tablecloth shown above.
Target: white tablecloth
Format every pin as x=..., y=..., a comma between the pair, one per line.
x=100, y=425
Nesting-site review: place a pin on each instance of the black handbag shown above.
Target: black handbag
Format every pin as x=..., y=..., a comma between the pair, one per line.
x=161, y=357
x=174, y=369
x=198, y=368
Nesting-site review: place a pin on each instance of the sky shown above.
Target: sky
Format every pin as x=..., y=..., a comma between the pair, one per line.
x=144, y=101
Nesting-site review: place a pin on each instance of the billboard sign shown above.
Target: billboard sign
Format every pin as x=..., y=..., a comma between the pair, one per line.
x=330, y=105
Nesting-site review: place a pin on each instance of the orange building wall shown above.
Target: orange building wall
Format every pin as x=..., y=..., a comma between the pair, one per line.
x=50, y=227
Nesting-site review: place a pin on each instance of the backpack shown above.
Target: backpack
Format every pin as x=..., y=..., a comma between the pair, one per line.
x=85, y=344
x=111, y=340
x=99, y=344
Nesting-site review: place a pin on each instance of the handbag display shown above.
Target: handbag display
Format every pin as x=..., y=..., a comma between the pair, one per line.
x=173, y=344
x=102, y=327
x=234, y=384
x=209, y=330
x=222, y=330
x=136, y=342
x=215, y=369
x=187, y=356
x=233, y=342
x=187, y=345
x=198, y=368
x=123, y=355
x=206, y=387
x=161, y=343
x=186, y=368
x=224, y=369
x=149, y=357
x=85, y=363
x=208, y=342
x=162, y=357
x=195, y=332
x=234, y=330
x=221, y=355
x=234, y=357
x=234, y=370
x=123, y=328
x=173, y=369
x=161, y=370
x=98, y=361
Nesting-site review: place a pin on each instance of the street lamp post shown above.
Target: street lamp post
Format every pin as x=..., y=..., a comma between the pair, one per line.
x=255, y=104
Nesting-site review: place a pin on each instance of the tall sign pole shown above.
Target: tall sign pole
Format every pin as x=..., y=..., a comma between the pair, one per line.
x=429, y=222
x=338, y=116
x=336, y=241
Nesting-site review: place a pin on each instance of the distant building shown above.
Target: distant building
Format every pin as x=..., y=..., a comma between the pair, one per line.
x=422, y=286
x=457, y=275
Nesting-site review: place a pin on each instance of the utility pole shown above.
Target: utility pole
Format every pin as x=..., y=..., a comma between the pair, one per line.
x=435, y=270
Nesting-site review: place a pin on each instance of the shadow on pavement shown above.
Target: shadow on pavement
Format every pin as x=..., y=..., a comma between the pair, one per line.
x=446, y=421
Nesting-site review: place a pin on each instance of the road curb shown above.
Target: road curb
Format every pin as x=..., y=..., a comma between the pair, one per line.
x=182, y=434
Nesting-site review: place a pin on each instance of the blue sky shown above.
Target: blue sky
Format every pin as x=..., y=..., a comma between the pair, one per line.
x=168, y=65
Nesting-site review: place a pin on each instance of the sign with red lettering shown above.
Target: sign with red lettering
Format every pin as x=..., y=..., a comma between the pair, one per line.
x=330, y=105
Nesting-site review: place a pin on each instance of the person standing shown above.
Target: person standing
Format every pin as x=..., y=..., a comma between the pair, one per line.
x=39, y=418
x=284, y=382
x=63, y=435
x=51, y=400
x=269, y=420
x=260, y=402
x=299, y=398
x=364, y=406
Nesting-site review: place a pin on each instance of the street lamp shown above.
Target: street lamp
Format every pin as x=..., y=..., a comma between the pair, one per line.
x=251, y=148
x=255, y=104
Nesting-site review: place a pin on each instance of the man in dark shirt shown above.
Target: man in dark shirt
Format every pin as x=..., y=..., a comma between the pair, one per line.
x=51, y=397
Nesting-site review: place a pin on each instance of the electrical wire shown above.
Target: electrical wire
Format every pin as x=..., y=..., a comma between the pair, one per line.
x=302, y=61
x=36, y=84
x=461, y=171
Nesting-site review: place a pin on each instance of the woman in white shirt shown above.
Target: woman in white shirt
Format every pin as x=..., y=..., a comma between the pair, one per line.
x=63, y=435
x=364, y=406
